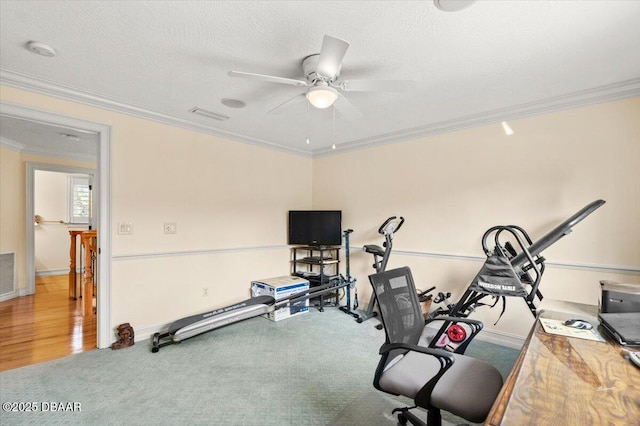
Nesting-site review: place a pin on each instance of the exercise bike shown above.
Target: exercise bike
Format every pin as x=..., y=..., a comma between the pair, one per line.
x=380, y=259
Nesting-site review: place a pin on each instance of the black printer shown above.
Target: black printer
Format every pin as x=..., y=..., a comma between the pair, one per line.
x=616, y=297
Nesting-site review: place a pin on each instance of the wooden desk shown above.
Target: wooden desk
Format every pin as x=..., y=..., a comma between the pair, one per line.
x=560, y=380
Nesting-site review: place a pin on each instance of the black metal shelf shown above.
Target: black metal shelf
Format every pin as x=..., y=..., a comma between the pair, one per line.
x=318, y=265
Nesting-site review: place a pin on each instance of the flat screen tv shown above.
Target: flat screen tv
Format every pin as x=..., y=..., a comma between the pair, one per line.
x=315, y=227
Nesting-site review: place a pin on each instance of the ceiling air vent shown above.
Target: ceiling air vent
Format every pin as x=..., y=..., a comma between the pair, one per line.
x=208, y=114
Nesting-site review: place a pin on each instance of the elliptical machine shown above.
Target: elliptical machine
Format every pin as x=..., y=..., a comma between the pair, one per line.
x=381, y=258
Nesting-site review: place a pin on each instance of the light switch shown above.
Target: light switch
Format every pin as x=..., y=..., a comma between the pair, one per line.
x=170, y=228
x=125, y=228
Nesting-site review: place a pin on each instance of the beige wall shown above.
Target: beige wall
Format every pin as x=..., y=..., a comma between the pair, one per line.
x=453, y=187
x=11, y=234
x=229, y=201
x=13, y=202
x=51, y=240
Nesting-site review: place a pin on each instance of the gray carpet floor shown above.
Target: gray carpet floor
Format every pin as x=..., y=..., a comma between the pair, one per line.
x=314, y=369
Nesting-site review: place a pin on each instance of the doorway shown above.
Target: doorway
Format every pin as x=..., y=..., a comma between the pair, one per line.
x=101, y=201
x=63, y=212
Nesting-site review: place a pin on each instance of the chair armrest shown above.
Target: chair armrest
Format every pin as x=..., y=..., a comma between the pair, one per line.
x=441, y=354
x=475, y=325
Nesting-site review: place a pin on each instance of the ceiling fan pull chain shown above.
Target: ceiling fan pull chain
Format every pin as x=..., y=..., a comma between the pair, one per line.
x=334, y=127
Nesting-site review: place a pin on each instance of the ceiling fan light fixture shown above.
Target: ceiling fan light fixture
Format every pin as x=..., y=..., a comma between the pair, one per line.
x=453, y=5
x=322, y=96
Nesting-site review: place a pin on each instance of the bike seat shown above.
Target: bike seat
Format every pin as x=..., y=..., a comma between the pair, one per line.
x=373, y=249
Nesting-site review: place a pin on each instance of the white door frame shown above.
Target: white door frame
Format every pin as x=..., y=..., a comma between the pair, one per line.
x=103, y=201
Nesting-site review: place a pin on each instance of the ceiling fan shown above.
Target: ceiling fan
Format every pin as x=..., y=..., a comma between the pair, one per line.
x=322, y=83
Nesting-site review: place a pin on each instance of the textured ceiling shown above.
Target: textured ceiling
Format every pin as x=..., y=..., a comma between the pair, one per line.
x=494, y=61
x=37, y=137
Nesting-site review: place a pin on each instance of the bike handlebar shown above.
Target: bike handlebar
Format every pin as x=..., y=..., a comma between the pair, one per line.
x=389, y=223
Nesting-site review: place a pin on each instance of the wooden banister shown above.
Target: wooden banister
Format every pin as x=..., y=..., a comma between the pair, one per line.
x=88, y=240
x=73, y=282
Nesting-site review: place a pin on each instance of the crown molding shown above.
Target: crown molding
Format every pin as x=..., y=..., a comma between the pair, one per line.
x=22, y=81
x=57, y=154
x=24, y=149
x=606, y=93
x=609, y=92
x=11, y=144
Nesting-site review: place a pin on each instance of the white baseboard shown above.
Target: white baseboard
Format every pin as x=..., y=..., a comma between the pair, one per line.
x=17, y=293
x=9, y=296
x=146, y=333
x=49, y=272
x=500, y=338
x=491, y=336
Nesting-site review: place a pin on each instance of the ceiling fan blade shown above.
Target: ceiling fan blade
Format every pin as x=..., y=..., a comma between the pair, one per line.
x=286, y=105
x=378, y=85
x=269, y=78
x=331, y=54
x=346, y=108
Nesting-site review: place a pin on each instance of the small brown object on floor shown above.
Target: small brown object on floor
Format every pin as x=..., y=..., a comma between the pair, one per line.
x=126, y=335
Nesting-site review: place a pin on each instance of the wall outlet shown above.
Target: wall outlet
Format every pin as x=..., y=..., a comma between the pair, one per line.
x=170, y=228
x=205, y=292
x=125, y=228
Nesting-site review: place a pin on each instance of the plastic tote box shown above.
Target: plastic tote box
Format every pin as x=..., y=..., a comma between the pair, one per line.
x=281, y=288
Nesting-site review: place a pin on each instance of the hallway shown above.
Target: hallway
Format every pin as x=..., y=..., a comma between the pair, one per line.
x=44, y=326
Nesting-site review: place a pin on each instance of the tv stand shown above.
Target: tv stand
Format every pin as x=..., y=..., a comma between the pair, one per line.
x=317, y=264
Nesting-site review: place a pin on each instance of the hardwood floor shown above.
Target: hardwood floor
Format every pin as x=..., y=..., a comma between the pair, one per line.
x=44, y=326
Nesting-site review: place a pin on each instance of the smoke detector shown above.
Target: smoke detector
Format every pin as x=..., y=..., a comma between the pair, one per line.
x=41, y=49
x=232, y=103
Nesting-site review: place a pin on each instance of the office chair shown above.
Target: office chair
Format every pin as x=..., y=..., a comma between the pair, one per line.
x=434, y=378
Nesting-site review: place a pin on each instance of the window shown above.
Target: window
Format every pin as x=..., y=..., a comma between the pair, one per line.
x=79, y=199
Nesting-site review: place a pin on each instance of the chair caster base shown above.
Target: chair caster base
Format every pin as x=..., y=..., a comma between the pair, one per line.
x=405, y=416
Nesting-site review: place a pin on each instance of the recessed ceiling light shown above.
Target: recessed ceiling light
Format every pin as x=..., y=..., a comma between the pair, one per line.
x=41, y=48
x=453, y=5
x=233, y=103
